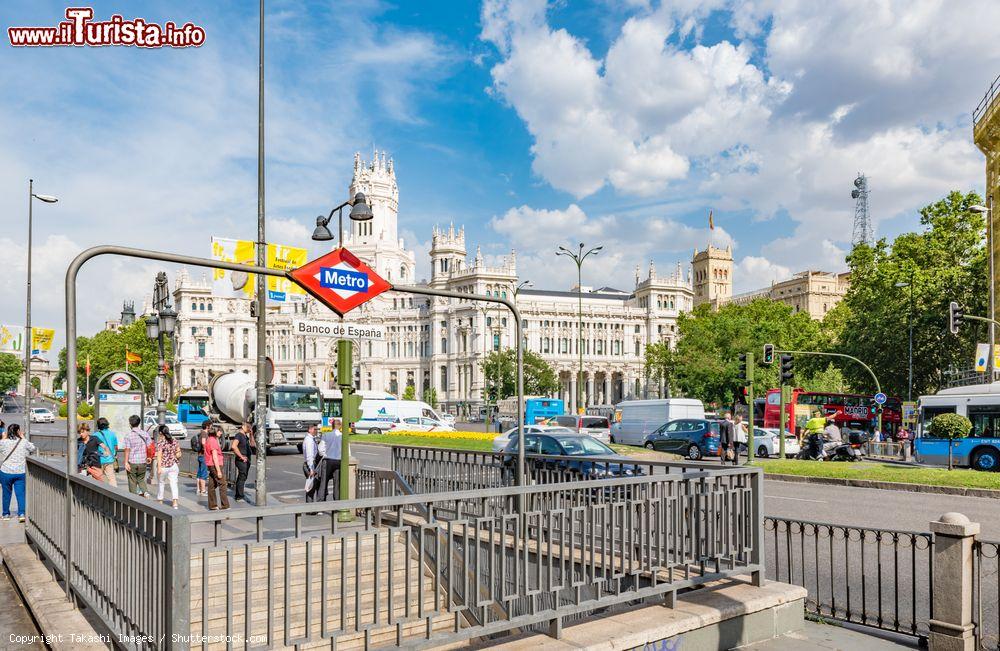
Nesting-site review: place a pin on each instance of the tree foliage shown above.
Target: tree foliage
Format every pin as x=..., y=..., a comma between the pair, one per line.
x=410, y=392
x=950, y=426
x=705, y=363
x=106, y=351
x=539, y=378
x=430, y=396
x=11, y=370
x=945, y=261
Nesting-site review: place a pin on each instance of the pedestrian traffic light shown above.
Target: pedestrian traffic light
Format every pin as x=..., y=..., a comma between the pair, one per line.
x=787, y=369
x=956, y=316
x=746, y=368
x=768, y=353
x=351, y=410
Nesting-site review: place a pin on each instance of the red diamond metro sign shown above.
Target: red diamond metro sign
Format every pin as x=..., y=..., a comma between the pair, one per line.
x=339, y=280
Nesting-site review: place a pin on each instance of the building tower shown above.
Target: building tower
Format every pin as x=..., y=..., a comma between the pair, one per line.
x=128, y=313
x=712, y=271
x=376, y=241
x=863, y=232
x=447, y=253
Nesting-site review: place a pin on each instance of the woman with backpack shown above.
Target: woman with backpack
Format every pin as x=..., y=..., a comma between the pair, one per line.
x=14, y=451
x=108, y=444
x=168, y=453
x=198, y=445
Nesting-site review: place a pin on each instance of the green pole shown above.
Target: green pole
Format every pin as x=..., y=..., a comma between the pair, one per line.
x=750, y=374
x=348, y=411
x=782, y=419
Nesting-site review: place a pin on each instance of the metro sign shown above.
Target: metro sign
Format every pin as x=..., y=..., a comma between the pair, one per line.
x=339, y=280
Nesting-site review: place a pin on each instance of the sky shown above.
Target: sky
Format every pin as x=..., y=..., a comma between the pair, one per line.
x=534, y=124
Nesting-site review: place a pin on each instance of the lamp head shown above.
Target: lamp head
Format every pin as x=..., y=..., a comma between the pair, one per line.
x=152, y=326
x=47, y=198
x=360, y=210
x=322, y=233
x=168, y=320
x=979, y=209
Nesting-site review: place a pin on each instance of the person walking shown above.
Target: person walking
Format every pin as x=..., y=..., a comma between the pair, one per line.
x=727, y=440
x=168, y=453
x=218, y=498
x=332, y=441
x=242, y=451
x=137, y=443
x=13, y=467
x=82, y=436
x=109, y=450
x=742, y=435
x=311, y=458
x=90, y=462
x=198, y=445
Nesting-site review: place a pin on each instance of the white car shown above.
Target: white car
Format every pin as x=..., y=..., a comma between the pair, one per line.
x=177, y=429
x=501, y=440
x=42, y=415
x=448, y=418
x=767, y=443
x=419, y=424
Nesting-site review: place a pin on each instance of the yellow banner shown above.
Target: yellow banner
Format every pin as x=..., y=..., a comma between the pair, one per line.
x=279, y=256
x=41, y=338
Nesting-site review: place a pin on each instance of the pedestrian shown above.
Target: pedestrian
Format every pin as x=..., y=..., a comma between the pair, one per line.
x=137, y=443
x=13, y=467
x=109, y=450
x=168, y=453
x=242, y=451
x=330, y=471
x=727, y=439
x=90, y=463
x=198, y=445
x=311, y=457
x=216, y=474
x=742, y=434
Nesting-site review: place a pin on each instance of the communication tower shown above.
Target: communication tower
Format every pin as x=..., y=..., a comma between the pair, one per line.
x=862, y=219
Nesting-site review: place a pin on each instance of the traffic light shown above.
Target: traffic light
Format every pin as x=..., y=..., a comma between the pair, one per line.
x=351, y=410
x=787, y=369
x=768, y=353
x=956, y=316
x=746, y=368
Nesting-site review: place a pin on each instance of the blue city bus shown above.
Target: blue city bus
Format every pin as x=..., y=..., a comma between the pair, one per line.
x=192, y=407
x=980, y=403
x=536, y=409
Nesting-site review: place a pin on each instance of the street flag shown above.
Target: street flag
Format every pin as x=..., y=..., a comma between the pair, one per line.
x=982, y=353
x=88, y=363
x=132, y=358
x=711, y=223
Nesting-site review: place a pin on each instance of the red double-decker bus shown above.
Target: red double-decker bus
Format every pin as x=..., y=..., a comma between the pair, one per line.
x=849, y=410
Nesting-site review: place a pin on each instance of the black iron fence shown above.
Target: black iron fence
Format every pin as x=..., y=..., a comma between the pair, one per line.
x=986, y=593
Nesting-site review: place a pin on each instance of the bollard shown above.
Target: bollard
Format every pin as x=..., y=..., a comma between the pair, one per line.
x=951, y=627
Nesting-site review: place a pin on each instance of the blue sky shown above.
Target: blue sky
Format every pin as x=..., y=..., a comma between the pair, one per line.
x=533, y=124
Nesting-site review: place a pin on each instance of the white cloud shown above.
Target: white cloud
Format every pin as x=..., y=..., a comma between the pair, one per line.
x=754, y=272
x=888, y=94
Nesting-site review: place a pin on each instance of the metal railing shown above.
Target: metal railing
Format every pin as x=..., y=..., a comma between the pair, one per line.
x=874, y=577
x=410, y=570
x=884, y=450
x=986, y=102
x=986, y=593
x=130, y=555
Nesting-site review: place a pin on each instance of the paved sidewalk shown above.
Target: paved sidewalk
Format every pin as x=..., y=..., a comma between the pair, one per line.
x=14, y=618
x=830, y=636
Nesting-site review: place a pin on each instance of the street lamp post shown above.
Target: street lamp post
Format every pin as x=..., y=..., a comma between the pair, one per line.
x=909, y=326
x=28, y=339
x=988, y=213
x=578, y=258
x=159, y=325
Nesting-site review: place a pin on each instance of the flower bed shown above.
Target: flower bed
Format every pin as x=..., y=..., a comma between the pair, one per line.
x=439, y=434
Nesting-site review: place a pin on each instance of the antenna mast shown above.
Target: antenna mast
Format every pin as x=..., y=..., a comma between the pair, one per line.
x=862, y=219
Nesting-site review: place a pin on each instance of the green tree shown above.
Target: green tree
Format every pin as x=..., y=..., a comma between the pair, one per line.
x=706, y=360
x=36, y=382
x=430, y=396
x=945, y=261
x=661, y=363
x=951, y=427
x=539, y=378
x=106, y=351
x=11, y=370
x=410, y=392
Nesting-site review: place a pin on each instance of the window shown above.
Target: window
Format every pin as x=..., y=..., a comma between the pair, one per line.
x=201, y=307
x=209, y=307
x=192, y=377
x=232, y=350
x=201, y=349
x=496, y=342
x=444, y=378
x=444, y=344
x=246, y=350
x=209, y=330
x=194, y=306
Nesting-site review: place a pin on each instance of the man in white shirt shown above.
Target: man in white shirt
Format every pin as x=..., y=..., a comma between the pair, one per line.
x=310, y=454
x=332, y=441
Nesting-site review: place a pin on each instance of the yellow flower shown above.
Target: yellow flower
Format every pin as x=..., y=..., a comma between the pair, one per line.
x=464, y=436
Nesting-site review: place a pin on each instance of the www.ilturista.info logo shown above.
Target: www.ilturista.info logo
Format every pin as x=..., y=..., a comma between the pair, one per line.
x=81, y=30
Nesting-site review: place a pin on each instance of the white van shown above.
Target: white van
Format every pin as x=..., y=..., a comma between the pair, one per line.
x=377, y=415
x=636, y=420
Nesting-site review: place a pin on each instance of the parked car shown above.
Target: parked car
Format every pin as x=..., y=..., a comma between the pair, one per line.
x=177, y=429
x=767, y=444
x=693, y=438
x=448, y=418
x=597, y=426
x=42, y=415
x=636, y=420
x=572, y=444
x=501, y=440
x=419, y=424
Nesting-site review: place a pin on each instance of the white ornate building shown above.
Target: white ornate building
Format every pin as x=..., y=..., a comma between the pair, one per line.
x=437, y=343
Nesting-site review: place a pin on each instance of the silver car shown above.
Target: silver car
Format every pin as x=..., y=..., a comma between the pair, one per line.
x=501, y=440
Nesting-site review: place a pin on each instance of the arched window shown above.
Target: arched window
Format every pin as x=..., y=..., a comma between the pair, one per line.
x=201, y=307
x=402, y=273
x=209, y=307
x=194, y=306
x=246, y=350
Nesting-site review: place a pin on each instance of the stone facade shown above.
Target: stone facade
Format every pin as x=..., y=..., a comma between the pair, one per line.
x=437, y=343
x=712, y=273
x=814, y=292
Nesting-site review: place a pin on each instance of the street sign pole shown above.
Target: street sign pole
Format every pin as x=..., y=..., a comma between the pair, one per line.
x=350, y=405
x=782, y=419
x=750, y=376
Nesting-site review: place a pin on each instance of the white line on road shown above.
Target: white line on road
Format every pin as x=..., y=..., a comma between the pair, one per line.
x=797, y=499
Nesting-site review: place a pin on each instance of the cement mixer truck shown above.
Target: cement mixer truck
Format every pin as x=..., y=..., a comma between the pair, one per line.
x=291, y=408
